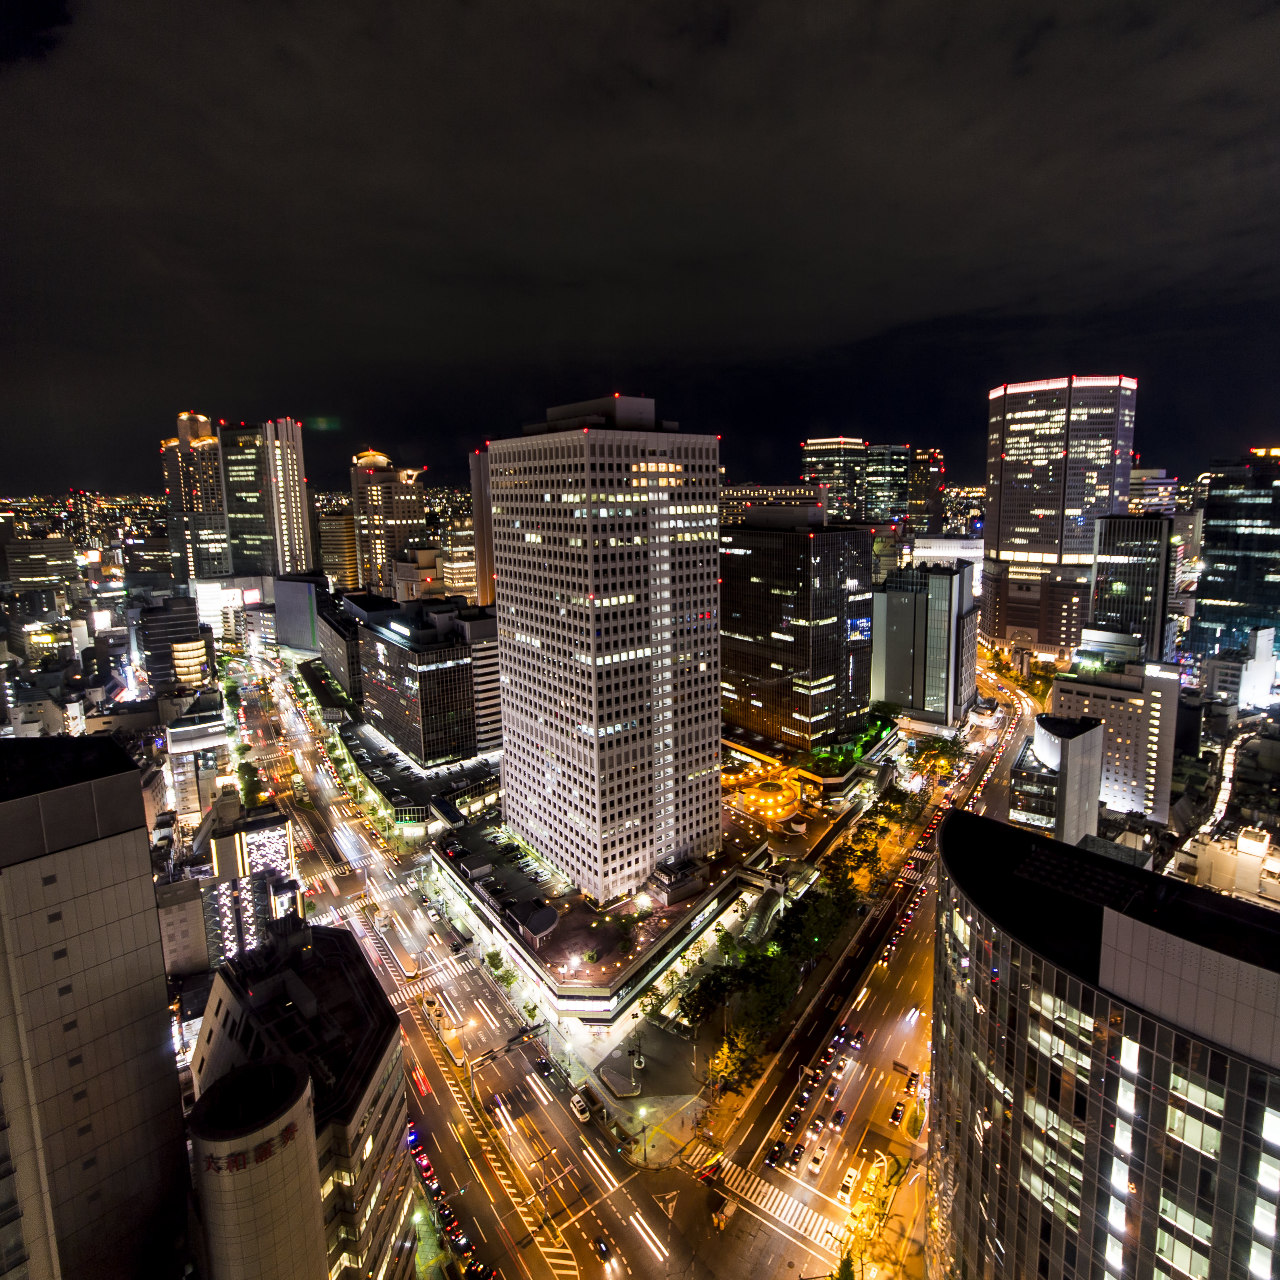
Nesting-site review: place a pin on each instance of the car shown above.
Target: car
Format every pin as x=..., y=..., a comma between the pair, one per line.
x=913, y=1082
x=776, y=1152
x=815, y=1161
x=422, y=898
x=432, y=914
x=827, y=1054
x=899, y=1108
x=817, y=1124
x=838, y=1119
x=857, y=1040
x=793, y=1119
x=845, y=1194
x=478, y=1271
x=908, y=918
x=837, y=1072
x=913, y=1013
x=447, y=1216
x=462, y=1244
x=544, y=1068
x=833, y=1091
x=841, y=1031
x=797, y=1154
x=601, y=1246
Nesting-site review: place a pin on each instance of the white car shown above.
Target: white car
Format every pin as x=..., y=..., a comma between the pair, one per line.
x=815, y=1161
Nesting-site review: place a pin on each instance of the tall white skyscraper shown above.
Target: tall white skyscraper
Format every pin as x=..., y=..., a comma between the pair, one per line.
x=605, y=544
x=287, y=478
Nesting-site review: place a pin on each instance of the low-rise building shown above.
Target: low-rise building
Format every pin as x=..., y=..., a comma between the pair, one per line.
x=1242, y=677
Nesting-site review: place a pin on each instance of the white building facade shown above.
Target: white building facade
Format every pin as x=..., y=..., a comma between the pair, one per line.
x=605, y=540
x=1138, y=707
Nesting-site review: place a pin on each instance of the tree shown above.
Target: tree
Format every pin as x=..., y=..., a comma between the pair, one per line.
x=845, y=1270
x=493, y=959
x=250, y=784
x=735, y=1059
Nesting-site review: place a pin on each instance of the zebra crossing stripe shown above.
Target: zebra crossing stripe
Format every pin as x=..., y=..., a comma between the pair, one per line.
x=773, y=1200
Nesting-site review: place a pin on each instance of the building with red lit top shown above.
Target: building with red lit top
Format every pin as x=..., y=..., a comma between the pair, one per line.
x=1059, y=453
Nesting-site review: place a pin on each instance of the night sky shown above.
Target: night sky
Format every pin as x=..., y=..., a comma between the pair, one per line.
x=430, y=220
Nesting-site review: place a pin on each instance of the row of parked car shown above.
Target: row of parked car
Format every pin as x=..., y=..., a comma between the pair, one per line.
x=450, y=1228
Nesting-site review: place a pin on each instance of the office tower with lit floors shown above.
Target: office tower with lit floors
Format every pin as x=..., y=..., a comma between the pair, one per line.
x=1131, y=580
x=1105, y=1092
x=389, y=508
x=605, y=543
x=839, y=462
x=196, y=500
x=268, y=519
x=1239, y=586
x=1059, y=452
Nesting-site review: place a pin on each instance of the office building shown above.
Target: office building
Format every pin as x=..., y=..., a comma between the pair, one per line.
x=94, y=1171
x=299, y=597
x=338, y=634
x=196, y=511
x=839, y=462
x=1059, y=452
x=924, y=642
x=429, y=676
x=1152, y=493
x=1239, y=587
x=268, y=515
x=927, y=483
x=173, y=646
x=738, y=500
x=338, y=555
x=1243, y=677
x=389, y=509
x=795, y=637
x=254, y=1149
x=34, y=563
x=482, y=523
x=199, y=757
x=1056, y=781
x=148, y=562
x=1106, y=1068
x=606, y=537
x=1138, y=706
x=886, y=482
x=945, y=550
x=304, y=1004
x=418, y=573
x=1131, y=575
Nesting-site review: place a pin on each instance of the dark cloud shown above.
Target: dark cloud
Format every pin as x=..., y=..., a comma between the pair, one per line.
x=429, y=217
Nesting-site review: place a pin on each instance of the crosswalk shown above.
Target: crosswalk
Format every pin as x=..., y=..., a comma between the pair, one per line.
x=770, y=1199
x=424, y=986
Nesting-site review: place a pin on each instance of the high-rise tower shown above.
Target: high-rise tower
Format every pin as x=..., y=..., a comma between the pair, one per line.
x=840, y=463
x=1059, y=453
x=197, y=515
x=390, y=511
x=266, y=491
x=605, y=535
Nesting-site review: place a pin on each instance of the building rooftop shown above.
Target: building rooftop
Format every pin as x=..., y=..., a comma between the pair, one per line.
x=1052, y=897
x=316, y=1002
x=35, y=765
x=246, y=1099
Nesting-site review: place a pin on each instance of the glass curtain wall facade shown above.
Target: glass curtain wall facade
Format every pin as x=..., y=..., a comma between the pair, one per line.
x=796, y=638
x=928, y=480
x=1131, y=578
x=196, y=500
x=887, y=482
x=1059, y=453
x=1239, y=585
x=1105, y=1099
x=838, y=462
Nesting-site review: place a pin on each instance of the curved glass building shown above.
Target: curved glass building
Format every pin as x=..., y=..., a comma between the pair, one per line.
x=1105, y=1098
